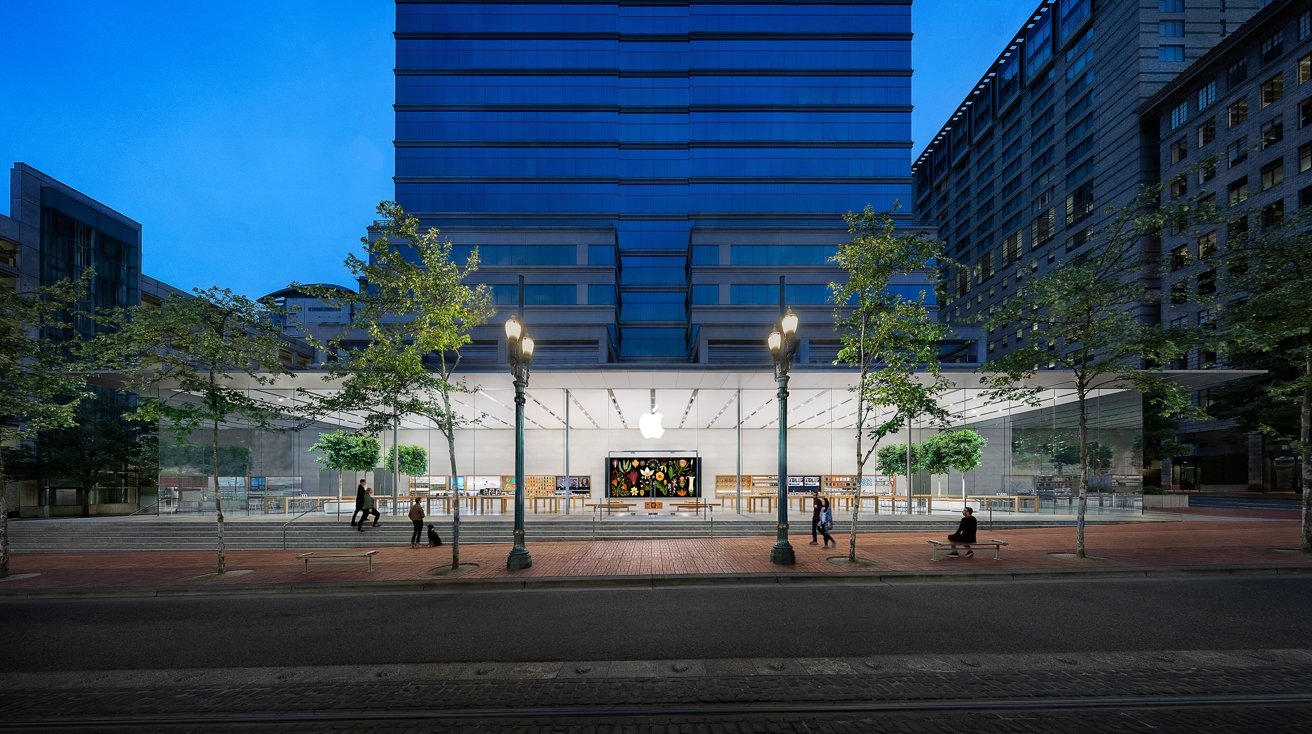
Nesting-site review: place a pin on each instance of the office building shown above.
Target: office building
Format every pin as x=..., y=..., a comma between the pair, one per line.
x=1020, y=178
x=1236, y=128
x=651, y=169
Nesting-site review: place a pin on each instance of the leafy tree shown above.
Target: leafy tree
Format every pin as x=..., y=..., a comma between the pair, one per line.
x=100, y=447
x=891, y=461
x=1264, y=309
x=343, y=451
x=414, y=460
x=234, y=461
x=41, y=379
x=962, y=450
x=185, y=358
x=1088, y=310
x=418, y=313
x=891, y=340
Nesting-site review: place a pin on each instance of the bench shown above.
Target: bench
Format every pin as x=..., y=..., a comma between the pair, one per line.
x=367, y=556
x=939, y=545
x=611, y=506
x=696, y=507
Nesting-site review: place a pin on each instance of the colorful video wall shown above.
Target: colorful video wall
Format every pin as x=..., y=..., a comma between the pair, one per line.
x=653, y=476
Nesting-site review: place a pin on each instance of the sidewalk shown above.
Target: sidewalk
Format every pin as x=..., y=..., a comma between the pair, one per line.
x=1177, y=546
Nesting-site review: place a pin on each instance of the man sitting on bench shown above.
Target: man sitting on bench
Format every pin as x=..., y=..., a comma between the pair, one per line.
x=965, y=533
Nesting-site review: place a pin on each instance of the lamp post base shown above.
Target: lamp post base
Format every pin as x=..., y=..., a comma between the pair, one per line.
x=781, y=554
x=518, y=559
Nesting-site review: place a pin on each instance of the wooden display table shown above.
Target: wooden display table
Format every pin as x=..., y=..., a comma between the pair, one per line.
x=767, y=499
x=1014, y=499
x=697, y=506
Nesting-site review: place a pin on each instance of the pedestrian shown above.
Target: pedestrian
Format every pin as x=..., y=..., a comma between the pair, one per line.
x=368, y=508
x=359, y=502
x=826, y=522
x=815, y=516
x=965, y=533
x=416, y=517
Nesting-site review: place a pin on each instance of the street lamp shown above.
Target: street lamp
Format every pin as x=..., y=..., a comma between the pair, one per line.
x=519, y=351
x=783, y=342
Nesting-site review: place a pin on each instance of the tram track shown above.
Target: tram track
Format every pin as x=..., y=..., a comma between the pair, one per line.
x=648, y=712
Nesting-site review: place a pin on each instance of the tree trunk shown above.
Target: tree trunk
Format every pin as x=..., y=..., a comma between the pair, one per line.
x=4, y=520
x=1080, y=395
x=218, y=493
x=455, y=499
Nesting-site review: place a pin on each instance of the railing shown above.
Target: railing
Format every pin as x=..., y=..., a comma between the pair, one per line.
x=289, y=522
x=147, y=510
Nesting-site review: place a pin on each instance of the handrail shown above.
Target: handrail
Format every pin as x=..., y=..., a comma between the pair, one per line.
x=289, y=522
x=148, y=510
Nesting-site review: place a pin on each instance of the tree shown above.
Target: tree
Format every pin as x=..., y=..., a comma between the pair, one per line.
x=414, y=460
x=891, y=340
x=891, y=461
x=1085, y=319
x=100, y=447
x=184, y=358
x=418, y=313
x=962, y=450
x=343, y=451
x=42, y=381
x=1264, y=311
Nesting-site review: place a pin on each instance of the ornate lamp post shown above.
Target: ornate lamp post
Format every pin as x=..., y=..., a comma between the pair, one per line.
x=520, y=354
x=783, y=342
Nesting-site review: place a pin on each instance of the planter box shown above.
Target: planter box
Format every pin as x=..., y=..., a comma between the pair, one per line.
x=1165, y=501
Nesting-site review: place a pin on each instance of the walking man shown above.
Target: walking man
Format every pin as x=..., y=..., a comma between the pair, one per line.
x=368, y=509
x=359, y=502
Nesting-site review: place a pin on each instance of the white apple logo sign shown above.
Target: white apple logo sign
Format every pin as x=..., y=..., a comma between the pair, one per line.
x=650, y=423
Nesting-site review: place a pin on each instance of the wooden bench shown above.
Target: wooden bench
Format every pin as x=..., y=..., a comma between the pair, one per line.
x=367, y=556
x=611, y=506
x=696, y=507
x=939, y=545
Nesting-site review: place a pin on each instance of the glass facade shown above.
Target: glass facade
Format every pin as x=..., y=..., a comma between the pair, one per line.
x=659, y=124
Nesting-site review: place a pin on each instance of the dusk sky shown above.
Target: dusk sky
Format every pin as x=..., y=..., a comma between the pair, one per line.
x=252, y=140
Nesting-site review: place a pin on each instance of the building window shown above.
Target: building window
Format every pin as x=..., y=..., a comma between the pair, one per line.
x=602, y=295
x=1170, y=54
x=705, y=295
x=1206, y=245
x=1179, y=150
x=1304, y=157
x=1273, y=131
x=1305, y=196
x=1236, y=113
x=8, y=253
x=1273, y=173
x=1207, y=132
x=1305, y=69
x=1305, y=113
x=1079, y=203
x=1171, y=29
x=1238, y=190
x=1179, y=186
x=1305, y=25
x=1236, y=74
x=1043, y=228
x=1170, y=6
x=1273, y=214
x=1206, y=173
x=705, y=254
x=1207, y=282
x=1080, y=238
x=1179, y=115
x=1237, y=151
x=1272, y=89
x=1180, y=257
x=1272, y=48
x=1207, y=95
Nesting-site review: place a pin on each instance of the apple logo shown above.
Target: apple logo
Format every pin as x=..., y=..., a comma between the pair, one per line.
x=650, y=423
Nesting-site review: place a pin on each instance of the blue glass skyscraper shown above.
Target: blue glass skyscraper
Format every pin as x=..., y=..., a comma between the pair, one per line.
x=650, y=167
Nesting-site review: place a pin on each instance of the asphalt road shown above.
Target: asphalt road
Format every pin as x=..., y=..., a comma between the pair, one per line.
x=711, y=622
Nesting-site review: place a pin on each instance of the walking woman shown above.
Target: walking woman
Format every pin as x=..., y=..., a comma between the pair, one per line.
x=826, y=522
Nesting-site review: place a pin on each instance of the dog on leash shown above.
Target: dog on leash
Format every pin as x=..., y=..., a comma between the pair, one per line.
x=434, y=539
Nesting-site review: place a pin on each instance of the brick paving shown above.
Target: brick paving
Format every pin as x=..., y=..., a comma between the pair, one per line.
x=1181, y=545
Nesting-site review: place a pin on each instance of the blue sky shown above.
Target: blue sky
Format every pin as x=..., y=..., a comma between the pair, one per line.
x=252, y=140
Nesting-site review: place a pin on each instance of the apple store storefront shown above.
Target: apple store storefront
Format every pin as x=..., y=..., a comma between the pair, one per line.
x=651, y=440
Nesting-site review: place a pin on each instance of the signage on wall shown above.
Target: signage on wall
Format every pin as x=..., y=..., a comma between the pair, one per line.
x=650, y=423
x=653, y=476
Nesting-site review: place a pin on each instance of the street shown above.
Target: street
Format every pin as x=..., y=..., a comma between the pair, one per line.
x=1226, y=652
